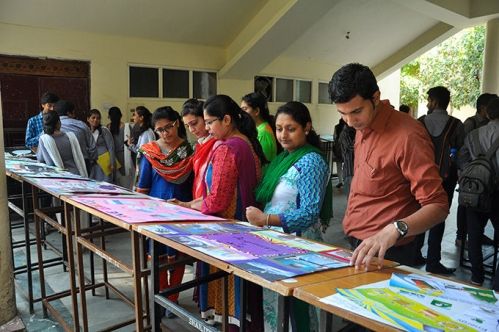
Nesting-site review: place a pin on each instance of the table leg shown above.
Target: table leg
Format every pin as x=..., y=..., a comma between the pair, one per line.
x=137, y=278
x=242, y=304
x=71, y=264
x=283, y=313
x=155, y=308
x=27, y=241
x=81, y=271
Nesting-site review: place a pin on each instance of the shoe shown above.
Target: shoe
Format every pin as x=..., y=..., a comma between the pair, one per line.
x=487, y=241
x=419, y=261
x=476, y=283
x=339, y=185
x=439, y=269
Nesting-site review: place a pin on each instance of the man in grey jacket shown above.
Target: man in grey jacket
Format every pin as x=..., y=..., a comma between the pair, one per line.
x=65, y=109
x=476, y=220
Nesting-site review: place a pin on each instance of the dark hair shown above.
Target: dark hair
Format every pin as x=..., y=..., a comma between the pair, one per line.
x=257, y=100
x=193, y=106
x=493, y=109
x=404, y=108
x=166, y=112
x=50, y=122
x=95, y=111
x=484, y=99
x=64, y=107
x=115, y=118
x=300, y=113
x=441, y=95
x=49, y=97
x=352, y=80
x=221, y=105
x=138, y=130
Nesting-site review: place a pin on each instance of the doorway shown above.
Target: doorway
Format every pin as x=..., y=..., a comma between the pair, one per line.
x=23, y=80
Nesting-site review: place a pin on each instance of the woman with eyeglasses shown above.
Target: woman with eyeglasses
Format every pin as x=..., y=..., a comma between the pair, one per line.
x=165, y=171
x=231, y=175
x=104, y=168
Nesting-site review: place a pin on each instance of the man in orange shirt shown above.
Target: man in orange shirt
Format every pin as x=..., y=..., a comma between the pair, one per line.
x=396, y=191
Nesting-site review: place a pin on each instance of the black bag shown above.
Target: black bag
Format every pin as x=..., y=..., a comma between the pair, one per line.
x=478, y=180
x=442, y=146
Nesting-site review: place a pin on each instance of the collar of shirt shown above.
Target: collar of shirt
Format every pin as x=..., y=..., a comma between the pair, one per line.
x=439, y=111
x=381, y=115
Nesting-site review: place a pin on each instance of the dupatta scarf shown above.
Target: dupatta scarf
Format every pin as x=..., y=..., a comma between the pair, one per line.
x=175, y=166
x=200, y=159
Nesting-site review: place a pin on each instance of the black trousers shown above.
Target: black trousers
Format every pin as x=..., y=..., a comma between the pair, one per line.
x=405, y=254
x=436, y=233
x=475, y=223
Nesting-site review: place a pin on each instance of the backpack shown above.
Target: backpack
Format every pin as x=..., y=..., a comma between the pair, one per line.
x=478, y=180
x=442, y=146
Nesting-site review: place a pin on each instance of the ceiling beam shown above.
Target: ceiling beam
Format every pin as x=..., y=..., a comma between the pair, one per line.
x=451, y=12
x=269, y=33
x=424, y=42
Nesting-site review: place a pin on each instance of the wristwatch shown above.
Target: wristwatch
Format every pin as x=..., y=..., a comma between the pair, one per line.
x=401, y=227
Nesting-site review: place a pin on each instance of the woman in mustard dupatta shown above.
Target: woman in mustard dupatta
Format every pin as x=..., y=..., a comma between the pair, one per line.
x=165, y=171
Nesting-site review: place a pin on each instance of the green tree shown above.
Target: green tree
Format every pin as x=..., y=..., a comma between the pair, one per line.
x=456, y=64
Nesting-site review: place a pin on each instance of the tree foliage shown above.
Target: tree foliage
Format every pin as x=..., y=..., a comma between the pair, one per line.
x=456, y=64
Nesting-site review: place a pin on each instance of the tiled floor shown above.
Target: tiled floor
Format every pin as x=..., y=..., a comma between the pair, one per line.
x=103, y=312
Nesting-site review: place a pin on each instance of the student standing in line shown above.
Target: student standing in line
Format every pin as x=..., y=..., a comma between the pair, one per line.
x=34, y=128
x=192, y=115
x=293, y=192
x=106, y=160
x=480, y=141
x=233, y=171
x=61, y=149
x=141, y=131
x=164, y=170
x=255, y=105
x=65, y=109
x=117, y=129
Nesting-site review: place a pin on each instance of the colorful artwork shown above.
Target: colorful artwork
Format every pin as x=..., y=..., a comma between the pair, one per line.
x=422, y=303
x=140, y=210
x=198, y=229
x=62, y=186
x=293, y=241
x=315, y=260
x=35, y=169
x=267, y=269
x=253, y=244
x=401, y=311
x=339, y=254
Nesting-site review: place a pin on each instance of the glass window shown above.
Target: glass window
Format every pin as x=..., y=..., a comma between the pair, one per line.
x=143, y=82
x=264, y=85
x=284, y=90
x=175, y=83
x=324, y=93
x=204, y=84
x=303, y=91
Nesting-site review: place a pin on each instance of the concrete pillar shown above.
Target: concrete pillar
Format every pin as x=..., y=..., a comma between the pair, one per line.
x=8, y=308
x=490, y=76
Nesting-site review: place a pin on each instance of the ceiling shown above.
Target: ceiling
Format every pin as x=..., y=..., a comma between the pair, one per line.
x=383, y=34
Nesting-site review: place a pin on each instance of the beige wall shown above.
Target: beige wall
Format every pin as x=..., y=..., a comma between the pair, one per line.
x=110, y=56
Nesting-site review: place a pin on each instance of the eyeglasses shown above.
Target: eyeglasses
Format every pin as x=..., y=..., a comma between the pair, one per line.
x=168, y=127
x=210, y=122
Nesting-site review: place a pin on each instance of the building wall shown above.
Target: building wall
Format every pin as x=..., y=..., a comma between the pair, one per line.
x=109, y=57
